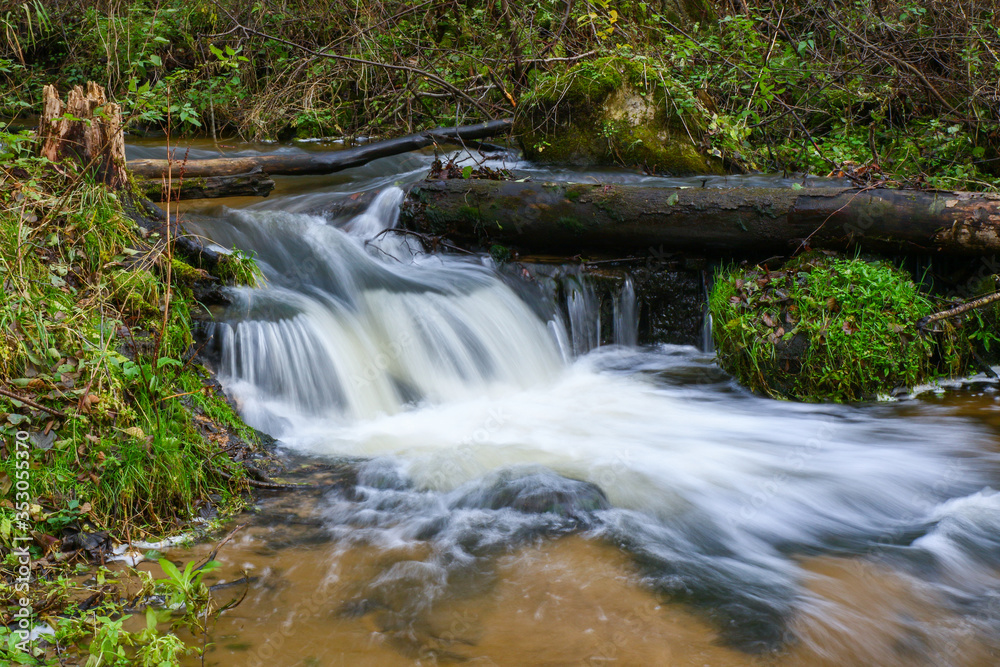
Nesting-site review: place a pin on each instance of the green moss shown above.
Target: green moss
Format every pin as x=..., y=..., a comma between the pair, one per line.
x=469, y=214
x=185, y=273
x=500, y=253
x=570, y=224
x=657, y=150
x=829, y=329
x=584, y=84
x=609, y=111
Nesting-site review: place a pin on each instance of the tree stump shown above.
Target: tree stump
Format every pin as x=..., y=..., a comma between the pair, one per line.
x=87, y=129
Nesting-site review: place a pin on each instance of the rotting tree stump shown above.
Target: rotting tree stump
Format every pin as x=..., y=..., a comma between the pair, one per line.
x=87, y=129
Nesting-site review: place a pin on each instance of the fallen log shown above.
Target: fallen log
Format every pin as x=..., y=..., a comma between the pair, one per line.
x=317, y=163
x=574, y=218
x=253, y=184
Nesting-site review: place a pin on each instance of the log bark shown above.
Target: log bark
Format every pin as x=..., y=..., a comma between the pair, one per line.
x=253, y=184
x=574, y=218
x=86, y=129
x=317, y=163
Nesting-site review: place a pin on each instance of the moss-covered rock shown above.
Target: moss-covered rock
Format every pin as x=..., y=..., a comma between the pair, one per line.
x=827, y=328
x=610, y=111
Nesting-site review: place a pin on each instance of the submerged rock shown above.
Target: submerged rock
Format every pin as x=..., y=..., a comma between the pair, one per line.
x=536, y=493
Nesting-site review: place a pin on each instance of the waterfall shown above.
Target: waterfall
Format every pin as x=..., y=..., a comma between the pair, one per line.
x=356, y=323
x=626, y=318
x=487, y=394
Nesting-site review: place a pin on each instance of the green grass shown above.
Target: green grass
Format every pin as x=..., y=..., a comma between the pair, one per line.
x=136, y=438
x=90, y=329
x=832, y=329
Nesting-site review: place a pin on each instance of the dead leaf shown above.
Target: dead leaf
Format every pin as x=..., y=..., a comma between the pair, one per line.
x=47, y=542
x=86, y=402
x=768, y=320
x=135, y=432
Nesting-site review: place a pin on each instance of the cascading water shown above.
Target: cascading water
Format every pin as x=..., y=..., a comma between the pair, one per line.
x=584, y=316
x=488, y=422
x=626, y=318
x=353, y=326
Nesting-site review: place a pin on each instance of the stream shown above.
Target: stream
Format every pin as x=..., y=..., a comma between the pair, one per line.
x=521, y=495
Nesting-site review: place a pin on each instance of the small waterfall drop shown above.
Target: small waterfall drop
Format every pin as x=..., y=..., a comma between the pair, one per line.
x=707, y=341
x=626, y=317
x=355, y=324
x=584, y=315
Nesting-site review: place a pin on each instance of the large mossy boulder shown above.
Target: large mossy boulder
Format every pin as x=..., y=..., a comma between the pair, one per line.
x=610, y=111
x=830, y=329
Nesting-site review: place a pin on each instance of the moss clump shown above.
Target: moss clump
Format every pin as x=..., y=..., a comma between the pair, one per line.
x=610, y=111
x=827, y=328
x=236, y=268
x=587, y=83
x=185, y=274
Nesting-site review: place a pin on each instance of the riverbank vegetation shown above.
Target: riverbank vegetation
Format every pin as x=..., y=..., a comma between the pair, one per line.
x=829, y=328
x=127, y=434
x=900, y=92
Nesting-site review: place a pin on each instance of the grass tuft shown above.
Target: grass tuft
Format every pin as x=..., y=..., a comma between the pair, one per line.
x=828, y=328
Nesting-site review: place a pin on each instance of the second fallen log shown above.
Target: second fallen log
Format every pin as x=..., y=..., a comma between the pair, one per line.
x=253, y=184
x=569, y=218
x=302, y=164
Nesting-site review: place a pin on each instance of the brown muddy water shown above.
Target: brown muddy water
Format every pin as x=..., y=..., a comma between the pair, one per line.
x=522, y=495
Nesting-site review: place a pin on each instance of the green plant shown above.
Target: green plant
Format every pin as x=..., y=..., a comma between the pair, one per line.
x=827, y=328
x=184, y=589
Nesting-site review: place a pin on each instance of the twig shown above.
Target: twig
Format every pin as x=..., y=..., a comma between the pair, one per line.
x=805, y=241
x=431, y=241
x=186, y=393
x=31, y=404
x=958, y=310
x=363, y=61
x=562, y=27
x=268, y=485
x=215, y=551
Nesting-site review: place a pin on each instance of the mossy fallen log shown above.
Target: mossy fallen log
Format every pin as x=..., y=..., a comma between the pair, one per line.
x=567, y=218
x=252, y=184
x=304, y=164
